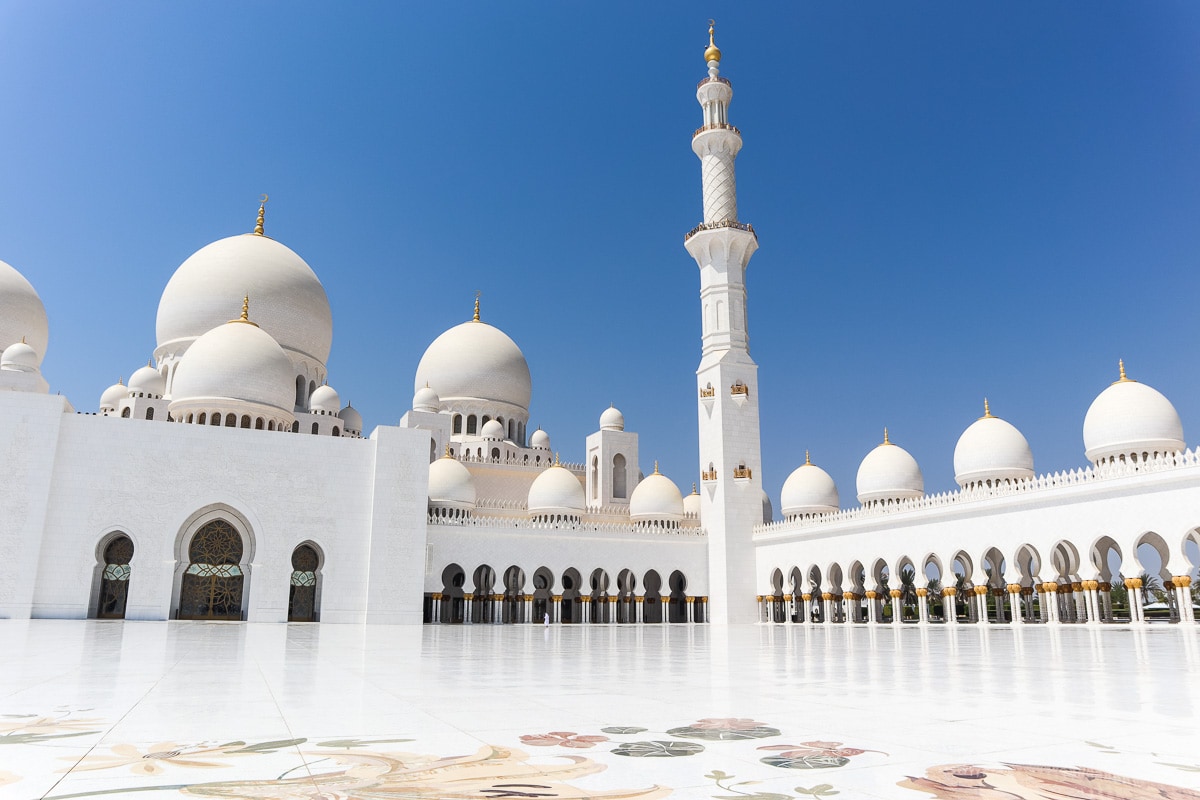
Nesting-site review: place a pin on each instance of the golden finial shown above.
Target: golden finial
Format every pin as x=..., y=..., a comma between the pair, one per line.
x=149, y=362
x=807, y=460
x=121, y=381
x=1124, y=378
x=262, y=211
x=23, y=340
x=245, y=317
x=447, y=453
x=885, y=436
x=477, y=294
x=656, y=472
x=987, y=410
x=712, y=52
x=694, y=488
x=556, y=458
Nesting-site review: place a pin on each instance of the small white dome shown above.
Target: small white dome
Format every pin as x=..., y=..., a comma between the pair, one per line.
x=351, y=418
x=492, y=430
x=889, y=472
x=991, y=449
x=475, y=361
x=1131, y=418
x=238, y=362
x=148, y=381
x=21, y=313
x=691, y=503
x=324, y=398
x=768, y=511
x=656, y=498
x=450, y=484
x=612, y=420
x=290, y=300
x=426, y=399
x=112, y=395
x=556, y=491
x=808, y=490
x=540, y=440
x=20, y=357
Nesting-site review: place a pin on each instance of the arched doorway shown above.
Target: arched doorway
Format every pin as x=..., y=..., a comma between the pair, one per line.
x=482, y=607
x=677, y=604
x=572, y=602
x=302, y=595
x=114, y=580
x=543, y=583
x=601, y=611
x=514, y=595
x=212, y=583
x=652, y=602
x=626, y=585
x=454, y=602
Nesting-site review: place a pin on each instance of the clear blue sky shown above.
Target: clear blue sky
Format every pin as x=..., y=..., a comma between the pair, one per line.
x=954, y=200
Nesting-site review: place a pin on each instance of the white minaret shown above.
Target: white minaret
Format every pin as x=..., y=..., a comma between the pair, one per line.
x=727, y=379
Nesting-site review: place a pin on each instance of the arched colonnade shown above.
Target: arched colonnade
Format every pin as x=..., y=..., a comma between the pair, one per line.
x=599, y=596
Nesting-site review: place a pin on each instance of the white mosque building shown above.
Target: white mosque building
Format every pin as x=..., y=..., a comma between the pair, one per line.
x=226, y=480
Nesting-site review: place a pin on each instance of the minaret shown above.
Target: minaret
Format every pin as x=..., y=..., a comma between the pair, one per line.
x=727, y=379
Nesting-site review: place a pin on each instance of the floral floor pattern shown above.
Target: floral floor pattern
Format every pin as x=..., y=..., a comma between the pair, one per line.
x=756, y=713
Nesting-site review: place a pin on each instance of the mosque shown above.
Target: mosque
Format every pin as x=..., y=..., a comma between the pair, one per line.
x=225, y=480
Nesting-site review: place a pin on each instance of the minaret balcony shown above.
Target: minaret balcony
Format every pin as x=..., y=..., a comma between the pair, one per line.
x=708, y=475
x=740, y=393
x=725, y=223
x=716, y=126
x=716, y=79
x=741, y=473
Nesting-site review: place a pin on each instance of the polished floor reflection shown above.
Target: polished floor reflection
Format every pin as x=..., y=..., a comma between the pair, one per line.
x=218, y=709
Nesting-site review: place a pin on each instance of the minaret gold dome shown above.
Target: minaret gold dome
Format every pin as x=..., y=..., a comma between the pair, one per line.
x=712, y=52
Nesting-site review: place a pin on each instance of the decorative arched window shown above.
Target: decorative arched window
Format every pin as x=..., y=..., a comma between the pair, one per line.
x=472, y=426
x=231, y=420
x=302, y=595
x=150, y=413
x=336, y=431
x=457, y=423
x=114, y=581
x=212, y=583
x=618, y=476
x=125, y=412
x=316, y=428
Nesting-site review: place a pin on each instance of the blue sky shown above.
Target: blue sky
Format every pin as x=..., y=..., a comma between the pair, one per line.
x=953, y=200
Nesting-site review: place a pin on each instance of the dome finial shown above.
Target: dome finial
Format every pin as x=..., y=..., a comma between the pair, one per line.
x=477, y=294
x=885, y=436
x=23, y=340
x=712, y=53
x=245, y=317
x=694, y=488
x=556, y=459
x=446, y=454
x=656, y=472
x=987, y=410
x=262, y=211
x=807, y=460
x=1121, y=366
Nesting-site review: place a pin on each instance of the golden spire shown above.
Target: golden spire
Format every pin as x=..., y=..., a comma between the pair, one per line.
x=556, y=458
x=245, y=317
x=885, y=436
x=262, y=211
x=987, y=410
x=446, y=454
x=712, y=52
x=121, y=381
x=477, y=306
x=23, y=340
x=807, y=460
x=1124, y=378
x=694, y=488
x=656, y=472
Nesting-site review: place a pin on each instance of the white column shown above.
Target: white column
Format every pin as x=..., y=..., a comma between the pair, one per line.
x=923, y=606
x=1187, y=614
x=1014, y=603
x=637, y=608
x=529, y=609
x=788, y=609
x=467, y=602
x=897, y=607
x=950, y=605
x=981, y=595
x=437, y=607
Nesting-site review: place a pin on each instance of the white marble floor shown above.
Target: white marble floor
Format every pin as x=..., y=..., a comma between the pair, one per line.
x=158, y=710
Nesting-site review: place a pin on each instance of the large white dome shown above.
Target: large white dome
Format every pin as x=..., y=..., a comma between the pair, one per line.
x=991, y=449
x=21, y=313
x=290, y=302
x=889, y=472
x=556, y=491
x=234, y=363
x=656, y=498
x=450, y=484
x=1131, y=418
x=475, y=361
x=808, y=490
